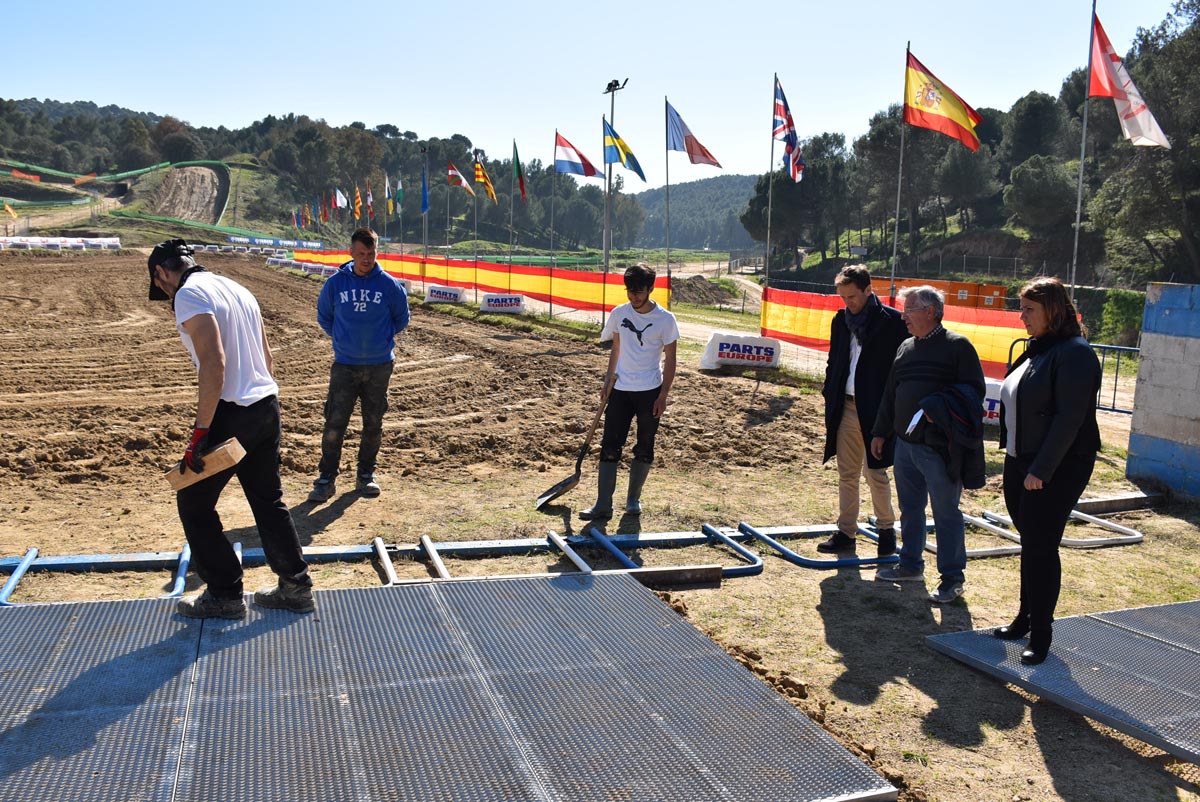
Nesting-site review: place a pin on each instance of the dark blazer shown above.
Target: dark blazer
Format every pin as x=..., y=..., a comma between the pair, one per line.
x=885, y=332
x=1056, y=406
x=958, y=412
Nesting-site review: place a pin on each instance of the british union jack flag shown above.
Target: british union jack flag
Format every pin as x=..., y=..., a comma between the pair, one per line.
x=785, y=131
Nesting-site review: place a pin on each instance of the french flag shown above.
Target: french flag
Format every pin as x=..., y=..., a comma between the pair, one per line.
x=680, y=137
x=569, y=160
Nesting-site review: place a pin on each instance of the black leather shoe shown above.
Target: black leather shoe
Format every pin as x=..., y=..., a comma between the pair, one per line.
x=1018, y=629
x=1039, y=647
x=838, y=543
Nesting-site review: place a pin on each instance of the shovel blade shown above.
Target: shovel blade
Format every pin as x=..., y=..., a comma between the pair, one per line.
x=562, y=487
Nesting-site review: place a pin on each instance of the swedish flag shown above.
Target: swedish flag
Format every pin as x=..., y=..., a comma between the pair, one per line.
x=615, y=150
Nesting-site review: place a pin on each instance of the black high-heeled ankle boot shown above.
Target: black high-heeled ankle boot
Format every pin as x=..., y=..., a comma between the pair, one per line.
x=1039, y=647
x=1018, y=629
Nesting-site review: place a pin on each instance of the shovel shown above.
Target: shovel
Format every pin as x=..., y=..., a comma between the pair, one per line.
x=569, y=483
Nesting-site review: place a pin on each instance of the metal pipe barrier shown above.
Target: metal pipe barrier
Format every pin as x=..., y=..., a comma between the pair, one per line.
x=1124, y=536
x=426, y=549
x=766, y=534
x=17, y=573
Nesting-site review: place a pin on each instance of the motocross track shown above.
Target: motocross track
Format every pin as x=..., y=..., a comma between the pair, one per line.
x=97, y=398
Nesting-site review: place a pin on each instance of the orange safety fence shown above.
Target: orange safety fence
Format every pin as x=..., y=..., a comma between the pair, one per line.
x=574, y=289
x=804, y=318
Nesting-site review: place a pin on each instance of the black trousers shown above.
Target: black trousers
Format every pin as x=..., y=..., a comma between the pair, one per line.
x=368, y=385
x=1040, y=516
x=258, y=429
x=623, y=407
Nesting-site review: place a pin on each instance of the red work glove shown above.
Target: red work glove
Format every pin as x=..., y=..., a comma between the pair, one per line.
x=191, y=457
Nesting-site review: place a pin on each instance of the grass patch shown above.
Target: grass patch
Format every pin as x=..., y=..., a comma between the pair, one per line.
x=695, y=313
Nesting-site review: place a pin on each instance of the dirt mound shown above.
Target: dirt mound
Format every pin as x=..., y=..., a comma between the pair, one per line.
x=701, y=291
x=189, y=193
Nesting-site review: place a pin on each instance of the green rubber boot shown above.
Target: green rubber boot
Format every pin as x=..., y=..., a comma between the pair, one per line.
x=606, y=484
x=638, y=471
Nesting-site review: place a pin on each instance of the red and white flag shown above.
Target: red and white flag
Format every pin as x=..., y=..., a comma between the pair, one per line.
x=680, y=137
x=1109, y=78
x=455, y=179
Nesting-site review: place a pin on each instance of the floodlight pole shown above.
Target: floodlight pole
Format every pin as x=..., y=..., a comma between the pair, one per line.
x=611, y=90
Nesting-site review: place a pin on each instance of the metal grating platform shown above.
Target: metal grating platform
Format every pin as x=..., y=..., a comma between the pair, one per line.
x=1138, y=671
x=549, y=690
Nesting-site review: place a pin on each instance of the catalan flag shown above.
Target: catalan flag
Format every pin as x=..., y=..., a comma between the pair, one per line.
x=12, y=212
x=481, y=177
x=929, y=103
x=455, y=179
x=357, y=203
x=615, y=150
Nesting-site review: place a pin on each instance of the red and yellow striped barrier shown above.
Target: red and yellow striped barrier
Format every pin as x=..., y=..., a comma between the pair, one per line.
x=562, y=287
x=804, y=318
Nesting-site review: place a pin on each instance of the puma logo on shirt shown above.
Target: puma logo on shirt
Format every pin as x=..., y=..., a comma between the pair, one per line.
x=628, y=324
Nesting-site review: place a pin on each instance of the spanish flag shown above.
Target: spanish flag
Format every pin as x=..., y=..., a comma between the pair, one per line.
x=929, y=103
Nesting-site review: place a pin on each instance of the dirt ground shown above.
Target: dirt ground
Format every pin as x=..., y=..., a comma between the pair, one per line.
x=97, y=397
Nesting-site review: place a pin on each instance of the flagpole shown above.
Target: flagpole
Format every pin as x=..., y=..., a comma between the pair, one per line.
x=1083, y=147
x=770, y=191
x=611, y=90
x=448, y=193
x=899, y=180
x=667, y=166
x=424, y=215
x=553, y=198
x=475, y=240
x=607, y=236
x=512, y=188
x=387, y=191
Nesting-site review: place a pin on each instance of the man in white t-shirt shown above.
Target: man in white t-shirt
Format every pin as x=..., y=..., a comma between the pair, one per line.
x=643, y=361
x=221, y=326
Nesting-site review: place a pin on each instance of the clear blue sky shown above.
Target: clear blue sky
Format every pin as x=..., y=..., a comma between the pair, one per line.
x=423, y=66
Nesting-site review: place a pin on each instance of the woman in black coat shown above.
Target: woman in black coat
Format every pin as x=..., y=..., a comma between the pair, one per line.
x=1049, y=433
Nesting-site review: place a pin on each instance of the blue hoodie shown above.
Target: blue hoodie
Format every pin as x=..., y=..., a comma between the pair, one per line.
x=362, y=314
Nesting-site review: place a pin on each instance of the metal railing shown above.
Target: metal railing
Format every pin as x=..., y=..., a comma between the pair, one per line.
x=1114, y=397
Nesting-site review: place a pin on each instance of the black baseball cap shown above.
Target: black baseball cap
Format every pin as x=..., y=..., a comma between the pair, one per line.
x=165, y=252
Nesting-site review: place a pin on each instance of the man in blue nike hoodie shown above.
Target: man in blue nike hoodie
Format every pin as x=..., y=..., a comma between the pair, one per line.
x=363, y=309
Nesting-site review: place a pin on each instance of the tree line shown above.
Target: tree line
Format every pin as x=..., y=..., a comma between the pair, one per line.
x=1142, y=212
x=1014, y=197
x=307, y=158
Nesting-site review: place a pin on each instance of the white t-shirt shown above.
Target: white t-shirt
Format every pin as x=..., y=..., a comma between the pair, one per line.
x=1008, y=397
x=855, y=353
x=643, y=338
x=239, y=321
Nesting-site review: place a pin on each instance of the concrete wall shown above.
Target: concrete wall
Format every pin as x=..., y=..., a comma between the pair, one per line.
x=1164, y=436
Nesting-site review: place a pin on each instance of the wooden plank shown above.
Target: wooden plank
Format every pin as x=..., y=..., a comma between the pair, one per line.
x=219, y=458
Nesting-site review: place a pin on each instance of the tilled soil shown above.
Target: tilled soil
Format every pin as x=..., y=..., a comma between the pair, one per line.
x=97, y=397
